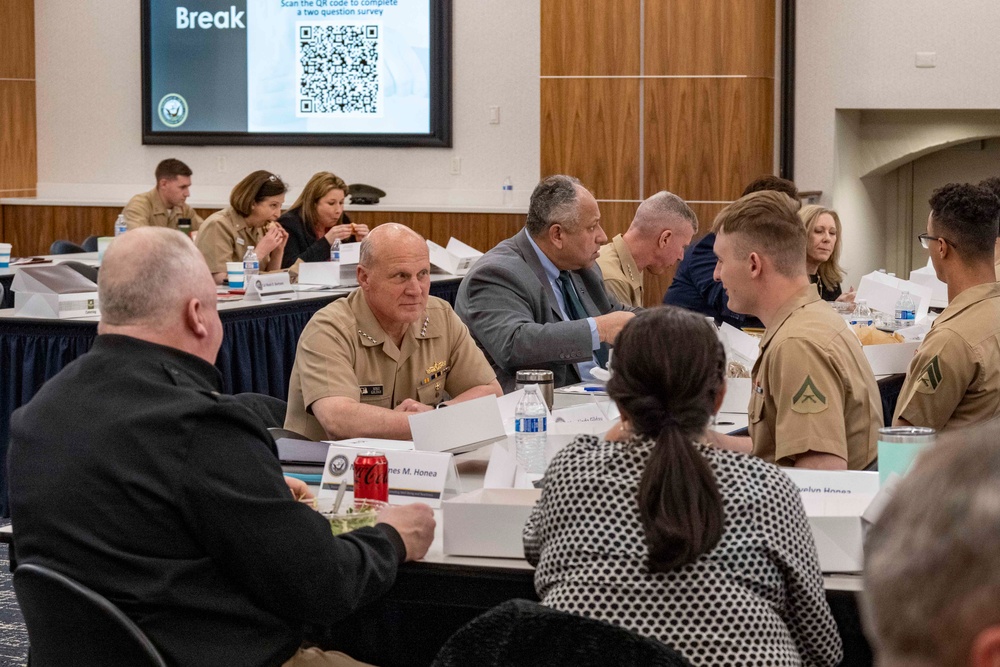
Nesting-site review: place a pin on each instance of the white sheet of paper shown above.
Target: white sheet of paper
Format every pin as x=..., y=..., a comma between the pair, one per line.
x=458, y=426
x=736, y=342
x=375, y=444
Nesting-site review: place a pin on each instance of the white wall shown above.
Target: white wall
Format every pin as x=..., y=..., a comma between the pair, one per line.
x=89, y=115
x=860, y=54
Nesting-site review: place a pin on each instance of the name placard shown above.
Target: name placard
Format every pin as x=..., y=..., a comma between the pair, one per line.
x=414, y=477
x=269, y=287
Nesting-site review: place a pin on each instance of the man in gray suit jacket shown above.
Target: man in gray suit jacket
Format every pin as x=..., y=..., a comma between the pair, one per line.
x=537, y=300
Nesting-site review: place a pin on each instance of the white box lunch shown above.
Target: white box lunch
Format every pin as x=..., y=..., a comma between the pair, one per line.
x=487, y=522
x=53, y=292
x=890, y=358
x=835, y=502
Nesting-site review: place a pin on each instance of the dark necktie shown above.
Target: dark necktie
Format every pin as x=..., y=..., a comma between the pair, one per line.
x=576, y=311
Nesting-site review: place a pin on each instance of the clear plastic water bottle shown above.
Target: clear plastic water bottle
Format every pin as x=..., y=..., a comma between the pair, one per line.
x=508, y=192
x=530, y=431
x=251, y=265
x=120, y=226
x=906, y=311
x=862, y=314
x=335, y=251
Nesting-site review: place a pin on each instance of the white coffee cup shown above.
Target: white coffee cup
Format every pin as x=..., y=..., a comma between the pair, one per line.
x=5, y=249
x=234, y=271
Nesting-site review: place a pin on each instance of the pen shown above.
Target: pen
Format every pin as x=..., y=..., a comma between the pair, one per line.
x=593, y=388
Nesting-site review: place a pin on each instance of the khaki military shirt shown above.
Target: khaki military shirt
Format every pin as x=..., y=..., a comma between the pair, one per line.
x=344, y=352
x=954, y=378
x=813, y=389
x=147, y=210
x=225, y=237
x=621, y=276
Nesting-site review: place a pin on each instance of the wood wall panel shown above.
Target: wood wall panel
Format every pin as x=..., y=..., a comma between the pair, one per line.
x=590, y=37
x=709, y=37
x=32, y=229
x=18, y=161
x=590, y=129
x=707, y=138
x=17, y=39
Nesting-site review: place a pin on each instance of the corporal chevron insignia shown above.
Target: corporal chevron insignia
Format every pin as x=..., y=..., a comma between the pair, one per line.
x=930, y=377
x=809, y=399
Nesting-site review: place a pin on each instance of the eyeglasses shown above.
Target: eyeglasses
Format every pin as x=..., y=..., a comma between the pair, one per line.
x=925, y=240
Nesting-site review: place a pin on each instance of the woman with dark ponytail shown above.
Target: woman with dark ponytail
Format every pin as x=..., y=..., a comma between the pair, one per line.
x=707, y=550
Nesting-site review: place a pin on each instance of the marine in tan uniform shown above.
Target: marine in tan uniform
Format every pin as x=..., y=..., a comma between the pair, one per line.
x=656, y=239
x=813, y=389
x=249, y=220
x=166, y=203
x=621, y=275
x=954, y=378
x=365, y=362
x=815, y=402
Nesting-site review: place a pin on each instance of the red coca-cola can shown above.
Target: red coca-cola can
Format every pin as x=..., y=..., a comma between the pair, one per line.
x=371, y=476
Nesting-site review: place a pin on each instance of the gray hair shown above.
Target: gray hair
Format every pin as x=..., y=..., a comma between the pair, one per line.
x=659, y=210
x=553, y=201
x=932, y=573
x=146, y=273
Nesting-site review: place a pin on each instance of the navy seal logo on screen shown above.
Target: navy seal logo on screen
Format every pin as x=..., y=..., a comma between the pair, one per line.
x=173, y=110
x=338, y=465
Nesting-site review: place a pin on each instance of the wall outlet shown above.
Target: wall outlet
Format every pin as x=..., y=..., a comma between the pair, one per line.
x=494, y=115
x=926, y=59
x=456, y=166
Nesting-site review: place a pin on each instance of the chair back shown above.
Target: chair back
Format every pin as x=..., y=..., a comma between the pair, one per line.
x=888, y=390
x=90, y=244
x=524, y=633
x=62, y=247
x=69, y=624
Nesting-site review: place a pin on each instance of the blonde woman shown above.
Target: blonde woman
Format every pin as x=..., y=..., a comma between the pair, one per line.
x=249, y=220
x=317, y=218
x=823, y=252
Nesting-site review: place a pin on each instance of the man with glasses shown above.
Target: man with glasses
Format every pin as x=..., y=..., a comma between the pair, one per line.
x=954, y=378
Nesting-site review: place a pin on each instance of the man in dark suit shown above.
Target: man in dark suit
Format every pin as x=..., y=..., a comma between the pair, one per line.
x=537, y=300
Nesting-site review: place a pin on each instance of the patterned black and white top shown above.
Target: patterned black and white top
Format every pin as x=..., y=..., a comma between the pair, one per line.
x=756, y=599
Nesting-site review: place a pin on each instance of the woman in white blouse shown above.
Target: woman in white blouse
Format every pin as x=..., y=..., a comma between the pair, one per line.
x=706, y=550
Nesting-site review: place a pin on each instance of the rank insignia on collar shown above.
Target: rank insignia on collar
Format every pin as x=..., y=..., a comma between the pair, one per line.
x=809, y=399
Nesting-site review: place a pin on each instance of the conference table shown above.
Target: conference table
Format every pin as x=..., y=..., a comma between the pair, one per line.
x=257, y=353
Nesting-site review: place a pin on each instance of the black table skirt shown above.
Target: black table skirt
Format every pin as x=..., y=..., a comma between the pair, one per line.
x=258, y=349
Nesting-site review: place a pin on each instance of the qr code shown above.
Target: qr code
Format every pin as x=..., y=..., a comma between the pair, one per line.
x=339, y=67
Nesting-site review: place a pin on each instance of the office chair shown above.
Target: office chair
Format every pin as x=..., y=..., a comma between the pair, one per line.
x=62, y=247
x=90, y=244
x=521, y=633
x=69, y=624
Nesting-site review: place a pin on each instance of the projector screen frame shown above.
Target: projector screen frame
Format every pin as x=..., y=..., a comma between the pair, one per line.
x=440, y=135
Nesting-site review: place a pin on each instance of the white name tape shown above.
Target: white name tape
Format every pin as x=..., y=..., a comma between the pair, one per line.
x=414, y=477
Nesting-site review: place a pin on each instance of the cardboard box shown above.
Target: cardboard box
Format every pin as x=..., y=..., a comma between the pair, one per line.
x=927, y=277
x=487, y=522
x=53, y=292
x=835, y=503
x=890, y=358
x=882, y=291
x=456, y=258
